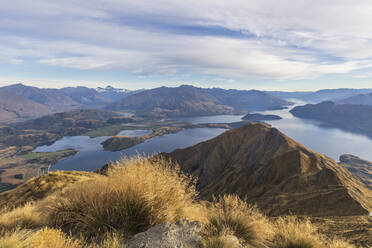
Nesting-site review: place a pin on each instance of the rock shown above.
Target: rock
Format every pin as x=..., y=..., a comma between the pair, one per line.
x=176, y=235
x=104, y=169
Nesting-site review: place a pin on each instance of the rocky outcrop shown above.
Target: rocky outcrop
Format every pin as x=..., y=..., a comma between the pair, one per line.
x=180, y=234
x=268, y=168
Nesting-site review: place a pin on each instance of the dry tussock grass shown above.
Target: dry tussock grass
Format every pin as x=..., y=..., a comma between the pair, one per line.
x=136, y=194
x=229, y=215
x=44, y=238
x=337, y=243
x=290, y=232
x=47, y=238
x=218, y=242
x=15, y=239
x=25, y=217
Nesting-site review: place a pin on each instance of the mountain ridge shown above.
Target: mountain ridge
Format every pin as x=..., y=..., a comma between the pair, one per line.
x=188, y=100
x=268, y=168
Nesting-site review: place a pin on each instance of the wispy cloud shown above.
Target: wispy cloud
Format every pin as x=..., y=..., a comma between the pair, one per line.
x=236, y=39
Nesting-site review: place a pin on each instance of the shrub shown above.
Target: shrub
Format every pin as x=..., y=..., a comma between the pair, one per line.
x=290, y=232
x=136, y=194
x=229, y=215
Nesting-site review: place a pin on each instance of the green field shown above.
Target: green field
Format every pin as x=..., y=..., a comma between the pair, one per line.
x=38, y=155
x=108, y=131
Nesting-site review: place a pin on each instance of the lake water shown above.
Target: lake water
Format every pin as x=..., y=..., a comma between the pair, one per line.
x=332, y=142
x=91, y=155
x=211, y=119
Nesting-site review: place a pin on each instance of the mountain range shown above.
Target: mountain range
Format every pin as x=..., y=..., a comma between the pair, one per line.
x=363, y=99
x=321, y=95
x=266, y=167
x=19, y=102
x=188, y=100
x=356, y=118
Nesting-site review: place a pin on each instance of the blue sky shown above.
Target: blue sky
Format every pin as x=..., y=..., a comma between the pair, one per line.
x=262, y=44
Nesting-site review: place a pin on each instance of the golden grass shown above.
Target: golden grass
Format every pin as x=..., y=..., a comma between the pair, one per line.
x=136, y=194
x=48, y=238
x=112, y=240
x=229, y=215
x=16, y=239
x=290, y=232
x=44, y=238
x=337, y=243
x=40, y=187
x=218, y=242
x=25, y=217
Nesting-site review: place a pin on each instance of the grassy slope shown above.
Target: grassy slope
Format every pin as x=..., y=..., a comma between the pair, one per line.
x=136, y=195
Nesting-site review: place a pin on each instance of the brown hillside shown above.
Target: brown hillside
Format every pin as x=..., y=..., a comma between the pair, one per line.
x=13, y=107
x=272, y=170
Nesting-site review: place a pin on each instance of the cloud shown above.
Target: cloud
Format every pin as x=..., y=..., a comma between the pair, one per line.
x=236, y=39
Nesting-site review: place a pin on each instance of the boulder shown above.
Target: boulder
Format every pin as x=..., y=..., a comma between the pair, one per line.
x=169, y=235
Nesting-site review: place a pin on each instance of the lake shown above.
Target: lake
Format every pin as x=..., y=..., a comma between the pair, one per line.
x=332, y=142
x=91, y=155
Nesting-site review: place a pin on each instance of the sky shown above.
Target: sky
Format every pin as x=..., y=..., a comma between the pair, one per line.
x=290, y=45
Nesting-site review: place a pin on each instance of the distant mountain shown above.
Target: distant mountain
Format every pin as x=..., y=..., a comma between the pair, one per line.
x=321, y=95
x=357, y=118
x=359, y=167
x=17, y=107
x=116, y=94
x=268, y=168
x=73, y=119
x=53, y=99
x=289, y=94
x=57, y=100
x=364, y=99
x=250, y=100
x=86, y=97
x=191, y=101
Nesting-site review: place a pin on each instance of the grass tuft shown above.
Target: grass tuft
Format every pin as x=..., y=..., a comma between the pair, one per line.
x=229, y=215
x=47, y=238
x=136, y=195
x=25, y=217
x=290, y=232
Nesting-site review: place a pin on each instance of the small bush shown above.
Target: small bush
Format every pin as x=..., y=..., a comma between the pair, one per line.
x=229, y=215
x=136, y=194
x=290, y=232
